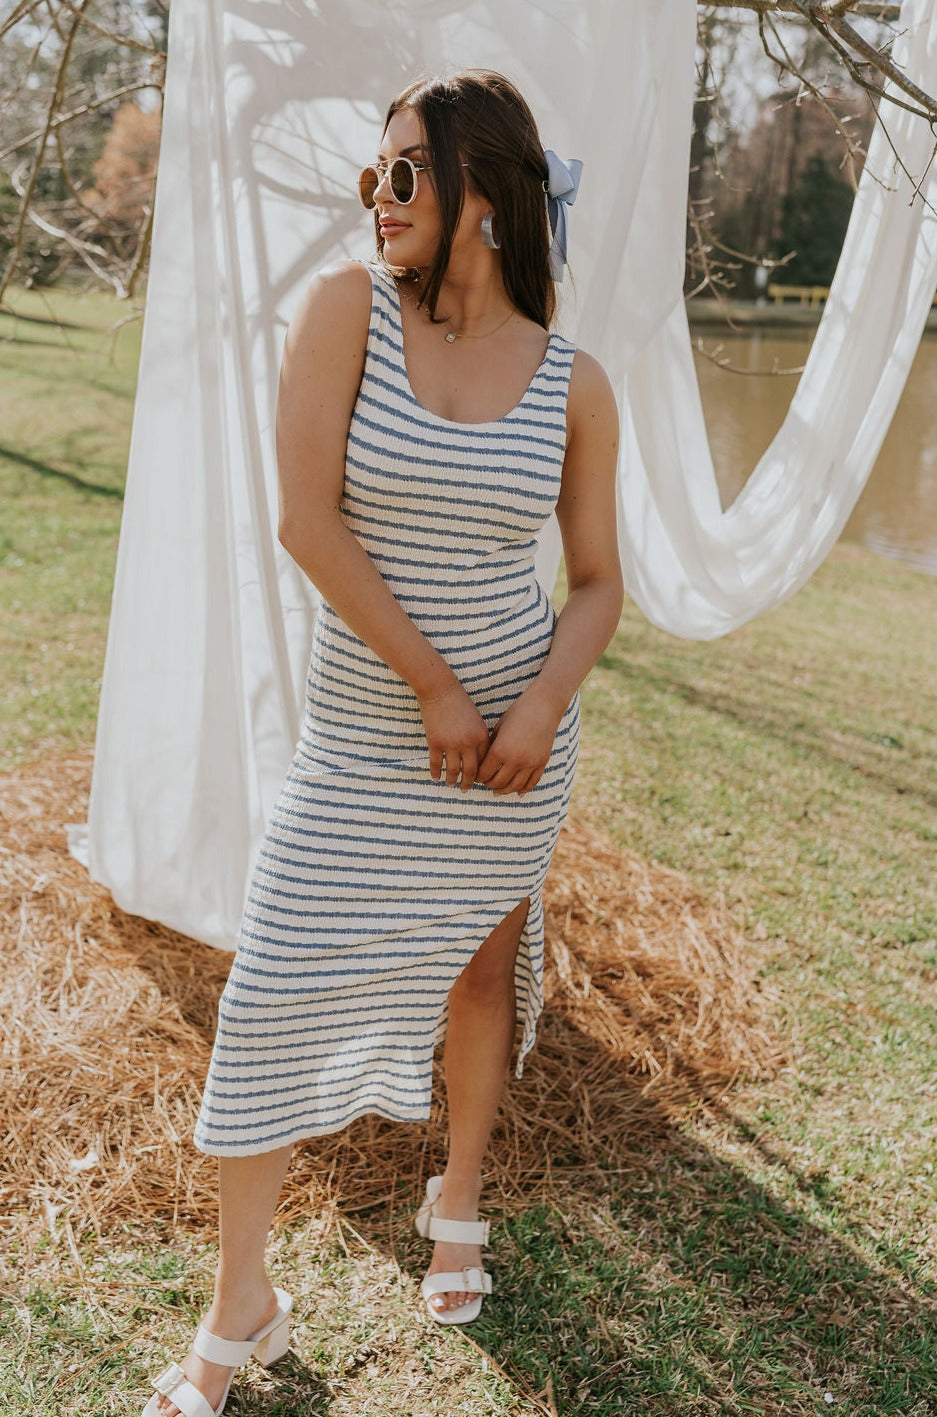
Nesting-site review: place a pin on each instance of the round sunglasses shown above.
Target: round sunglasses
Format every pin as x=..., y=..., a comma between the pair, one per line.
x=401, y=176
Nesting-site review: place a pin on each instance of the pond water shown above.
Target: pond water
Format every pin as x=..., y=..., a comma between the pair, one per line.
x=896, y=514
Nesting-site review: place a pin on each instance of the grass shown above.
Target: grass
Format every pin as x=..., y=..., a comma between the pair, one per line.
x=775, y=1254
x=83, y=1333
x=66, y=398
x=791, y=767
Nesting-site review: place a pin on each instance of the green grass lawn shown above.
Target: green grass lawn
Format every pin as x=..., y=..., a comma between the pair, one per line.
x=792, y=767
x=67, y=380
x=776, y=1254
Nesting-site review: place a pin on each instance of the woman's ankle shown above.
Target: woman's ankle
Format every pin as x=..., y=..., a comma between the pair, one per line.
x=462, y=1188
x=237, y=1289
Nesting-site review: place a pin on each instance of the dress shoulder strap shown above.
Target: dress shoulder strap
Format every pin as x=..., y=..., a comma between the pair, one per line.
x=385, y=336
x=385, y=300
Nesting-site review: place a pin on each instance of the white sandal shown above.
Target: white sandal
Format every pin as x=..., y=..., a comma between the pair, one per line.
x=471, y=1279
x=267, y=1345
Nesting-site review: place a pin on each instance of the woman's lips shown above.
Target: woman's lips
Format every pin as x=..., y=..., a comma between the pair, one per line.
x=391, y=228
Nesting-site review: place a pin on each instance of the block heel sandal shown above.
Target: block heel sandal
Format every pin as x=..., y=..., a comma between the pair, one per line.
x=267, y=1345
x=471, y=1279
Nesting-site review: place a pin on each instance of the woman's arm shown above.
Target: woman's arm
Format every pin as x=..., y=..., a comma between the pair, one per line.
x=586, y=512
x=320, y=375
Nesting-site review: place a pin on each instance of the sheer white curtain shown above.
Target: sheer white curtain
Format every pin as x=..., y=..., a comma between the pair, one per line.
x=271, y=108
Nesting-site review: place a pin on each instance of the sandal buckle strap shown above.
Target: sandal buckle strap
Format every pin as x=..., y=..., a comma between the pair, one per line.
x=471, y=1280
x=477, y=1281
x=459, y=1232
x=175, y=1385
x=168, y=1381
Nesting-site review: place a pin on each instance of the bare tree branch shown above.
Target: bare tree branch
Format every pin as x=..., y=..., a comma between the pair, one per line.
x=815, y=93
x=881, y=62
x=87, y=250
x=126, y=40
x=19, y=12
x=873, y=90
x=53, y=104
x=831, y=8
x=869, y=8
x=70, y=187
x=826, y=16
x=715, y=356
x=142, y=252
x=787, y=63
x=63, y=118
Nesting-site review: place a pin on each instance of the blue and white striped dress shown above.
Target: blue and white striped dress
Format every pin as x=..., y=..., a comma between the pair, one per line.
x=375, y=885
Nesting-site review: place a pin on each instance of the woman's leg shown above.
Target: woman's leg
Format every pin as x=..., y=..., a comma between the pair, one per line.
x=479, y=1039
x=248, y=1190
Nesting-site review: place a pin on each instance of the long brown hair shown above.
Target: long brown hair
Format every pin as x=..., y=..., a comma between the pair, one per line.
x=478, y=117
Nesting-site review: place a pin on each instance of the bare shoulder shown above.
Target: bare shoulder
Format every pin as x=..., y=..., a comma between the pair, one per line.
x=324, y=353
x=334, y=311
x=345, y=285
x=591, y=403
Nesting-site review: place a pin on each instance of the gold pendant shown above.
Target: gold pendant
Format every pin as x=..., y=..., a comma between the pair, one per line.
x=451, y=337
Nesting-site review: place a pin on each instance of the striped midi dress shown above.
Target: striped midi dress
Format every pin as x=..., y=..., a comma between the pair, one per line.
x=374, y=885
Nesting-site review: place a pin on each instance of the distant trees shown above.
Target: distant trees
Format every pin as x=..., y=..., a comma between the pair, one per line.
x=814, y=217
x=80, y=99
x=771, y=198
x=125, y=173
x=781, y=191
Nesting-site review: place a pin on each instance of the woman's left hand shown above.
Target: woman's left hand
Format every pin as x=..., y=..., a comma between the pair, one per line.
x=521, y=744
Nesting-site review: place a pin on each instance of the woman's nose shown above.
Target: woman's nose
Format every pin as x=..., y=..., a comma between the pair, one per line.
x=383, y=180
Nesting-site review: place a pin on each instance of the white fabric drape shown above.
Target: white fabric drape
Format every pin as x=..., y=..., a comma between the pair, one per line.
x=698, y=571
x=271, y=108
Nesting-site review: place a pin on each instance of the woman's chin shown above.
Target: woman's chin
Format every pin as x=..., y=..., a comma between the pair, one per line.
x=401, y=250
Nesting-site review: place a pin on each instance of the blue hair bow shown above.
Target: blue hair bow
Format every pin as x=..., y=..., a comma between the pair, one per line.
x=561, y=187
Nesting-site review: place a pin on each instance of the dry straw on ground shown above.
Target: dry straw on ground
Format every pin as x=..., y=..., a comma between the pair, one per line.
x=107, y=1019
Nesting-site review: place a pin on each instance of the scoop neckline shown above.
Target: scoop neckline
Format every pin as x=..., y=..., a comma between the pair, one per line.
x=457, y=422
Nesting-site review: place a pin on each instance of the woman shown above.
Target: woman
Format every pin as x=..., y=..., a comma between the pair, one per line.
x=427, y=424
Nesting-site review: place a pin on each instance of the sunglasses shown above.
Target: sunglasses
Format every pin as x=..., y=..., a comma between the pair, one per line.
x=401, y=176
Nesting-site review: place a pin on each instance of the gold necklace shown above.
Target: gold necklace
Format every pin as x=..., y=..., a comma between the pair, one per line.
x=453, y=335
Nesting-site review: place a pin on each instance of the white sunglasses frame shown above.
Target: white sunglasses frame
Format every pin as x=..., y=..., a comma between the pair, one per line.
x=415, y=167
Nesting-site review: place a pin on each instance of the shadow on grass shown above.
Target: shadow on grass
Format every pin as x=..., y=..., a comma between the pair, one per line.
x=797, y=734
x=290, y=1389
x=46, y=470
x=16, y=343
x=52, y=321
x=654, y=1277
x=665, y=1280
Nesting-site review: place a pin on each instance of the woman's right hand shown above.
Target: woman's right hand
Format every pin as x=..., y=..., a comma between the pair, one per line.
x=456, y=732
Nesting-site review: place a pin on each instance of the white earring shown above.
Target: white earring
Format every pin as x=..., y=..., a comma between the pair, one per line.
x=488, y=237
